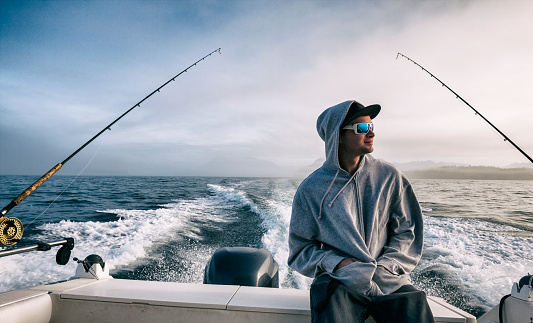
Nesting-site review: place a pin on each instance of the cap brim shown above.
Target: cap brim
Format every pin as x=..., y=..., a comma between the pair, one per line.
x=371, y=110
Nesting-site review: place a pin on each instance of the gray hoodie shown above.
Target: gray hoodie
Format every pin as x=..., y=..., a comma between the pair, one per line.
x=373, y=216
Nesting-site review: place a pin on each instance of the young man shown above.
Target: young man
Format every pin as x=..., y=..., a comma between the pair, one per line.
x=356, y=227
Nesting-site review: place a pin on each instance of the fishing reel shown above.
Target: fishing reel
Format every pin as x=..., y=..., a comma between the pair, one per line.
x=10, y=231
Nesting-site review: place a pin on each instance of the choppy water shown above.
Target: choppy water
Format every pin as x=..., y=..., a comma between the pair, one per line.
x=478, y=234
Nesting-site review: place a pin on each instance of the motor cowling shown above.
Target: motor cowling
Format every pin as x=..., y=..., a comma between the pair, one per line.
x=242, y=266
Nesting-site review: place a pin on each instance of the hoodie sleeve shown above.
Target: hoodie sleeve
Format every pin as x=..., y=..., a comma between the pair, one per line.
x=306, y=254
x=405, y=237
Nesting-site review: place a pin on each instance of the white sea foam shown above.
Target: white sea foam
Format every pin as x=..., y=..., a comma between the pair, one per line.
x=478, y=256
x=277, y=221
x=119, y=242
x=232, y=197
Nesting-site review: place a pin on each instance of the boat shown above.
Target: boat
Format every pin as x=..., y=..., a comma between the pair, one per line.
x=240, y=285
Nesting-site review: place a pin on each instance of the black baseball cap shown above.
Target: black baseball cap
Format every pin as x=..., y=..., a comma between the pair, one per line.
x=357, y=109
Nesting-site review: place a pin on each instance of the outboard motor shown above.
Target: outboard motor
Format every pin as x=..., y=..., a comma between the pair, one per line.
x=242, y=266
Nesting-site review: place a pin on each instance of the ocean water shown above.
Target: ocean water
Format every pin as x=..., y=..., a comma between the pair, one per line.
x=478, y=234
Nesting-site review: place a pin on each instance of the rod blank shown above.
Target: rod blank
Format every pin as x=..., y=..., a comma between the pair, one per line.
x=471, y=107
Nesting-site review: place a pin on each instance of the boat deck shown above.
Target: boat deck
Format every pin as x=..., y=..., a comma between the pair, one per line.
x=119, y=300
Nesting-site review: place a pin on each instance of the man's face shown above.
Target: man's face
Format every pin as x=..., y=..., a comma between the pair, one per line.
x=352, y=144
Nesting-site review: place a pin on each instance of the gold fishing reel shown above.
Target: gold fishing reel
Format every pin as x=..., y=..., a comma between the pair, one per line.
x=10, y=231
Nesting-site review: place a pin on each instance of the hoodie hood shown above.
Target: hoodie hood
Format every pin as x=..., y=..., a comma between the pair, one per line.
x=328, y=126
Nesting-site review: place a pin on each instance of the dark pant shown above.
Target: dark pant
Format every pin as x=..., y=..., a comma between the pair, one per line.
x=331, y=301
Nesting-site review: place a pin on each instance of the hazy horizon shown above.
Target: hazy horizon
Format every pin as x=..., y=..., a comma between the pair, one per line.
x=258, y=169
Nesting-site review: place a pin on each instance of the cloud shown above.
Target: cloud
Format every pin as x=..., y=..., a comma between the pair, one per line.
x=68, y=70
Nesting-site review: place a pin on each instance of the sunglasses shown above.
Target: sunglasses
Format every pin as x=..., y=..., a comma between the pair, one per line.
x=360, y=128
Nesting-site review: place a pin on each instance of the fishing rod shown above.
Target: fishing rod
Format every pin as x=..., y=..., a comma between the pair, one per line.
x=11, y=228
x=471, y=107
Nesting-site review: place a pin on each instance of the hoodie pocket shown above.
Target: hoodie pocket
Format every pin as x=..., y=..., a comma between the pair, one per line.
x=357, y=277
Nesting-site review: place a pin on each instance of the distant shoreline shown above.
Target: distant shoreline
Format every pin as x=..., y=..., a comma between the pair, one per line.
x=471, y=172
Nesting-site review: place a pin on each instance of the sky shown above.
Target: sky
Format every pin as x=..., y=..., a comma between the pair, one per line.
x=69, y=68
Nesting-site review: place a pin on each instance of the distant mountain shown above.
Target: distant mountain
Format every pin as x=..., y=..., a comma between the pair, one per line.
x=225, y=165
x=471, y=172
x=438, y=170
x=520, y=165
x=426, y=164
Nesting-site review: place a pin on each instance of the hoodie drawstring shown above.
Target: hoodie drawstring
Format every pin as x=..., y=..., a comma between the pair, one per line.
x=324, y=197
x=342, y=189
x=335, y=198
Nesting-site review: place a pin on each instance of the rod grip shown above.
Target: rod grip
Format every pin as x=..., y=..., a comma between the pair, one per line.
x=30, y=189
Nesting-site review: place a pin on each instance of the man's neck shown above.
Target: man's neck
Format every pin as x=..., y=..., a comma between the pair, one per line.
x=351, y=164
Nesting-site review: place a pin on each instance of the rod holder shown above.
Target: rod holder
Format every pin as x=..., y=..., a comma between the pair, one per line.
x=63, y=254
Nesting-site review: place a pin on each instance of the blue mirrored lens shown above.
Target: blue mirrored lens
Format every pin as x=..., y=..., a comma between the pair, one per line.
x=362, y=128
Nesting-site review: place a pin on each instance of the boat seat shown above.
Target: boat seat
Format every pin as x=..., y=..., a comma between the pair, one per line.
x=25, y=305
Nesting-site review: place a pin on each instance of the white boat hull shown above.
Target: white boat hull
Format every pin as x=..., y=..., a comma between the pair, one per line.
x=120, y=300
